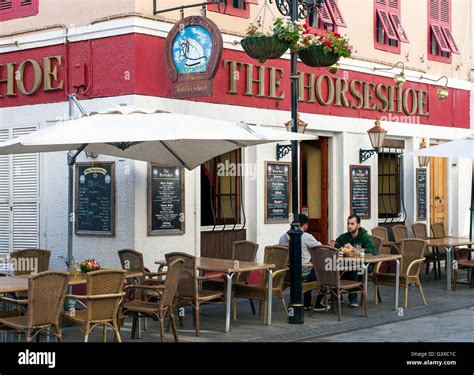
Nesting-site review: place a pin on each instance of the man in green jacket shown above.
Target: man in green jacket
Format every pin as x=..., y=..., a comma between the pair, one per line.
x=355, y=235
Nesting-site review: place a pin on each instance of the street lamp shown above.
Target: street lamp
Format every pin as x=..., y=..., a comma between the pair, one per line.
x=423, y=161
x=283, y=150
x=377, y=136
x=443, y=92
x=296, y=9
x=399, y=79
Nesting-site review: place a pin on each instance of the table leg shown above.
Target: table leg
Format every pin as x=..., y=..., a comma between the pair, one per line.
x=269, y=297
x=365, y=267
x=449, y=266
x=397, y=283
x=228, y=303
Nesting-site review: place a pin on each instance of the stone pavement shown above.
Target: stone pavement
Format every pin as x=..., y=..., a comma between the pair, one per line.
x=445, y=318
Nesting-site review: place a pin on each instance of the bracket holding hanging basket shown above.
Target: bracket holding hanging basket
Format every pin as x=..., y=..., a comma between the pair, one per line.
x=221, y=4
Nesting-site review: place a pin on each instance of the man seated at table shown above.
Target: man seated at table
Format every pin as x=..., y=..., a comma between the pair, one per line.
x=355, y=235
x=307, y=274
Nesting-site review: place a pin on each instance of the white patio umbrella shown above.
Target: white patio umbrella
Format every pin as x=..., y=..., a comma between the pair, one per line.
x=148, y=135
x=459, y=148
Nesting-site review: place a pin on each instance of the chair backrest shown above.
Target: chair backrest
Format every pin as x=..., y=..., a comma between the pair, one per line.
x=245, y=251
x=27, y=261
x=46, y=293
x=100, y=283
x=419, y=231
x=320, y=256
x=438, y=230
x=378, y=244
x=380, y=232
x=279, y=256
x=400, y=232
x=411, y=249
x=173, y=275
x=131, y=260
x=188, y=282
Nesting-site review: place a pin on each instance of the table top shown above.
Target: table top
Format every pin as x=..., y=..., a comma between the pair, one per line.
x=449, y=241
x=225, y=265
x=10, y=284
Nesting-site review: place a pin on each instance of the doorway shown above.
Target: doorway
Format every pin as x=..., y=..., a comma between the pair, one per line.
x=438, y=190
x=314, y=186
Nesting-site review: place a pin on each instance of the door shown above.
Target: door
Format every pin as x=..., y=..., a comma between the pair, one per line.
x=438, y=196
x=314, y=186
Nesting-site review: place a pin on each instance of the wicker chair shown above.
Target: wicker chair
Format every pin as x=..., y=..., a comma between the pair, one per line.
x=330, y=279
x=277, y=255
x=420, y=231
x=164, y=306
x=101, y=303
x=438, y=231
x=412, y=251
x=46, y=293
x=388, y=246
x=378, y=244
x=33, y=258
x=400, y=233
x=190, y=287
x=244, y=251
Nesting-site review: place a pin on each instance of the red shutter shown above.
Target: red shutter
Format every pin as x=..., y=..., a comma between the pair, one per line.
x=386, y=24
x=402, y=36
x=449, y=38
x=335, y=13
x=324, y=14
x=255, y=2
x=434, y=10
x=393, y=4
x=11, y=9
x=6, y=9
x=445, y=11
x=438, y=34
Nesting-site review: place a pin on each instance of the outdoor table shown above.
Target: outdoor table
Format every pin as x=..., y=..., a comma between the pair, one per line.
x=230, y=267
x=449, y=243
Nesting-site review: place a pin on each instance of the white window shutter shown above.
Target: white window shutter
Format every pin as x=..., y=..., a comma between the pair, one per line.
x=5, y=181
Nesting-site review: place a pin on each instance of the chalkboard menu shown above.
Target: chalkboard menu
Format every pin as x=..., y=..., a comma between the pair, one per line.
x=421, y=193
x=277, y=192
x=95, y=199
x=165, y=200
x=360, y=190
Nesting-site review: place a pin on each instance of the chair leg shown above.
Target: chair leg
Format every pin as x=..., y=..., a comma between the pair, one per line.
x=28, y=335
x=379, y=297
x=134, y=326
x=88, y=331
x=406, y=296
x=284, y=307
x=422, y=294
x=265, y=312
x=376, y=294
x=338, y=306
x=173, y=325
x=364, y=301
x=162, y=328
x=104, y=333
x=234, y=302
x=198, y=328
x=252, y=306
x=116, y=332
x=427, y=271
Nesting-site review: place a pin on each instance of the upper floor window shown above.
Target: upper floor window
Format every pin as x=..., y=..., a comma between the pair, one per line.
x=237, y=8
x=441, y=41
x=328, y=17
x=389, y=32
x=11, y=9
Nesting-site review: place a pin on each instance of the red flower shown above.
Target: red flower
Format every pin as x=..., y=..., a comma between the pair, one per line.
x=327, y=43
x=305, y=26
x=337, y=35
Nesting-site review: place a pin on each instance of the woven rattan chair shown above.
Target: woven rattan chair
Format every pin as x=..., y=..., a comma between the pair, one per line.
x=244, y=251
x=27, y=261
x=158, y=309
x=277, y=255
x=380, y=249
x=438, y=231
x=190, y=288
x=412, y=251
x=330, y=277
x=101, y=303
x=46, y=293
x=388, y=246
x=400, y=233
x=420, y=231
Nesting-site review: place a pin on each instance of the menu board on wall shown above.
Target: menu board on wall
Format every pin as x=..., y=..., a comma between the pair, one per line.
x=360, y=190
x=95, y=199
x=421, y=194
x=277, y=192
x=165, y=207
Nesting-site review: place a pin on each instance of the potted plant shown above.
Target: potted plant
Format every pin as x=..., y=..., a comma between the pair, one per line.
x=322, y=50
x=272, y=45
x=89, y=265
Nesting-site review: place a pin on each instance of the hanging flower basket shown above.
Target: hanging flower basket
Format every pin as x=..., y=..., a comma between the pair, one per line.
x=264, y=47
x=315, y=56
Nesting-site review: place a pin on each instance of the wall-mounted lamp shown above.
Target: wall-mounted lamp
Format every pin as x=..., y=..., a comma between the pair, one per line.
x=282, y=150
x=423, y=161
x=377, y=136
x=334, y=68
x=443, y=92
x=399, y=79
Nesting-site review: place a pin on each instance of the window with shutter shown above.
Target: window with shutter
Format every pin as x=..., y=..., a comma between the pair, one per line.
x=12, y=9
x=19, y=197
x=389, y=31
x=236, y=8
x=328, y=17
x=440, y=38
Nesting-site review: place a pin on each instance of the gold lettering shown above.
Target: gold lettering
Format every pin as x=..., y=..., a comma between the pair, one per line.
x=369, y=95
x=233, y=75
x=9, y=80
x=422, y=102
x=51, y=74
x=275, y=83
x=341, y=90
x=302, y=87
x=319, y=90
x=250, y=81
x=357, y=94
x=380, y=92
x=38, y=76
x=414, y=101
x=392, y=99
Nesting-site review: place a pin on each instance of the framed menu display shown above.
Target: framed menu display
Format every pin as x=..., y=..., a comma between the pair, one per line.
x=165, y=202
x=277, y=192
x=420, y=194
x=360, y=190
x=95, y=199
